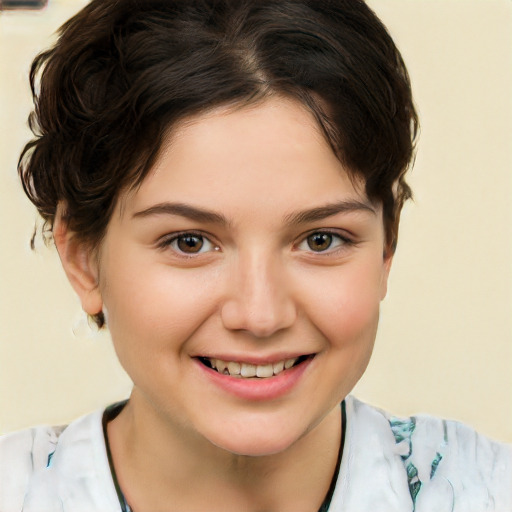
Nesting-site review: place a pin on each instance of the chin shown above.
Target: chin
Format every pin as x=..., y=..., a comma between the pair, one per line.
x=256, y=440
x=255, y=448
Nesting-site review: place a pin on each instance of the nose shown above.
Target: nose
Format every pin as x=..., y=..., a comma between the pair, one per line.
x=258, y=299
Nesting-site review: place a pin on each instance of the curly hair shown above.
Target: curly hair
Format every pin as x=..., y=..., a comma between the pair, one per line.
x=123, y=72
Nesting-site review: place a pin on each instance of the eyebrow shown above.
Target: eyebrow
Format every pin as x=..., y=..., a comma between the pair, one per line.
x=301, y=217
x=183, y=210
x=322, y=212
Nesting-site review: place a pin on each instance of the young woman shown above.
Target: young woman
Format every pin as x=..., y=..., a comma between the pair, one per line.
x=223, y=181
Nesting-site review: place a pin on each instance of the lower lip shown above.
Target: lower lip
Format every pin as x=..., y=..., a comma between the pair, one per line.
x=258, y=389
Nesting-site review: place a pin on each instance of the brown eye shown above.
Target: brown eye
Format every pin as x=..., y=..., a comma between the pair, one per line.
x=190, y=244
x=319, y=241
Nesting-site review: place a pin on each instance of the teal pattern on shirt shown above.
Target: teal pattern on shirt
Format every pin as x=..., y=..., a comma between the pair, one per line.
x=403, y=430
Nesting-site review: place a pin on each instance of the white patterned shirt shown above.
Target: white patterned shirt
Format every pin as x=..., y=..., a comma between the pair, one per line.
x=389, y=464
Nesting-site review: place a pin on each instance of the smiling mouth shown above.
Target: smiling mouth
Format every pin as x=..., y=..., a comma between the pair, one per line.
x=248, y=371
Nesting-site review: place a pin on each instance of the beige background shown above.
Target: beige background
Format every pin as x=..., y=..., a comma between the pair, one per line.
x=445, y=342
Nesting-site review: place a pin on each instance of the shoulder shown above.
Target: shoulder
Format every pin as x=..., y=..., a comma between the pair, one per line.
x=21, y=454
x=443, y=457
x=45, y=469
x=420, y=463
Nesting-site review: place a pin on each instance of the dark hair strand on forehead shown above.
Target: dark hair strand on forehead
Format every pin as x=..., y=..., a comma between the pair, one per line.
x=123, y=73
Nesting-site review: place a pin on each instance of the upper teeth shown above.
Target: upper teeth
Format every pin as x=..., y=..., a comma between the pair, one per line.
x=237, y=369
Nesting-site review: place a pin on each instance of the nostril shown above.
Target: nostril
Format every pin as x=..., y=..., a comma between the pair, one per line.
x=258, y=298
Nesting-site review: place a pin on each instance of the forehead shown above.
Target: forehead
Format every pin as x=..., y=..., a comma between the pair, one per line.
x=271, y=153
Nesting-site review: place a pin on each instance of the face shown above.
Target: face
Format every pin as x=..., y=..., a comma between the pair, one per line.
x=242, y=280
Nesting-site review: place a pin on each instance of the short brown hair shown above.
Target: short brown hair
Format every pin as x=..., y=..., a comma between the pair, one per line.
x=123, y=72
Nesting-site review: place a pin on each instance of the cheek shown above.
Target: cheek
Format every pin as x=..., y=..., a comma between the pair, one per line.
x=345, y=305
x=155, y=307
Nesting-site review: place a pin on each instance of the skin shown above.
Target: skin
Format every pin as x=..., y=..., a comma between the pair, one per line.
x=258, y=289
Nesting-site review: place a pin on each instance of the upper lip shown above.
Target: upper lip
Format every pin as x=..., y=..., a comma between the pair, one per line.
x=255, y=359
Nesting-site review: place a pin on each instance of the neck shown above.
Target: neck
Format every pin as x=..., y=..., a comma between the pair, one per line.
x=158, y=462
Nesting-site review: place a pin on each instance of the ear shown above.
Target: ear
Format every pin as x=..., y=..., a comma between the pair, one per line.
x=386, y=267
x=80, y=264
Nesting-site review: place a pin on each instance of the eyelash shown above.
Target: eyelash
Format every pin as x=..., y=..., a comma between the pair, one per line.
x=169, y=240
x=344, y=242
